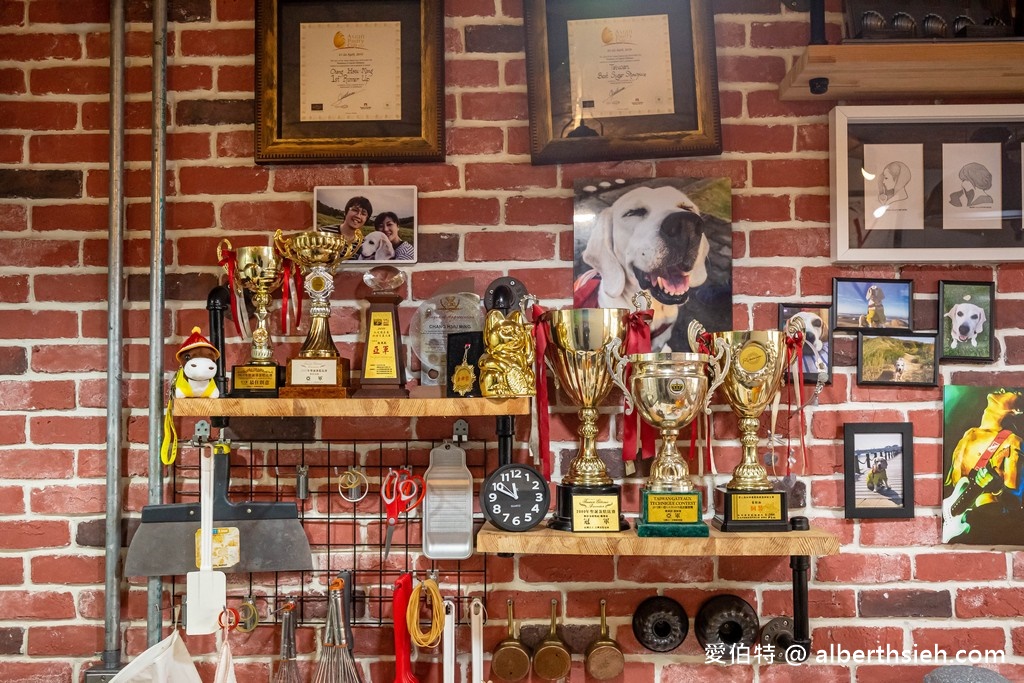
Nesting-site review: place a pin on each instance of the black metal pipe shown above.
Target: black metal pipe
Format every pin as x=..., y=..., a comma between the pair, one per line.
x=818, y=23
x=216, y=304
x=505, y=430
x=801, y=565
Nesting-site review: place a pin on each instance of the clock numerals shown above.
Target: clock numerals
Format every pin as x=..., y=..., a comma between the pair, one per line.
x=515, y=497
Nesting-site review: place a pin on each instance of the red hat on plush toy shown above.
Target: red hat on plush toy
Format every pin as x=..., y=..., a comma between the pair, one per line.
x=196, y=340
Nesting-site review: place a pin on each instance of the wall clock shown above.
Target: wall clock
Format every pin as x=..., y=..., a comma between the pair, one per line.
x=515, y=497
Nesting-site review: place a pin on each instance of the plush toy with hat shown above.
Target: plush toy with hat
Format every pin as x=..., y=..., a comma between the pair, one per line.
x=197, y=361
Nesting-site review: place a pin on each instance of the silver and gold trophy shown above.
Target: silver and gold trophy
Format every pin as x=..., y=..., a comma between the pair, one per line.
x=749, y=502
x=319, y=370
x=259, y=270
x=587, y=499
x=669, y=390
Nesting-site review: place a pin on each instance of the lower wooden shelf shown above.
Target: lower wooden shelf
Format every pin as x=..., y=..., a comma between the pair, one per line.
x=350, y=407
x=545, y=541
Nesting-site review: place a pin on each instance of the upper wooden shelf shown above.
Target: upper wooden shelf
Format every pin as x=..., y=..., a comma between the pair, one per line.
x=350, y=407
x=545, y=541
x=903, y=70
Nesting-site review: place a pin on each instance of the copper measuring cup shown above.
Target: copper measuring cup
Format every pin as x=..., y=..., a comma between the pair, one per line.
x=551, y=660
x=604, y=659
x=511, y=660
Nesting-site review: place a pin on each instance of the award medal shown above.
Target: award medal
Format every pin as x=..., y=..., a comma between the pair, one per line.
x=464, y=375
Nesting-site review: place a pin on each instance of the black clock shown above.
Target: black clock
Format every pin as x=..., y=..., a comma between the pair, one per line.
x=515, y=497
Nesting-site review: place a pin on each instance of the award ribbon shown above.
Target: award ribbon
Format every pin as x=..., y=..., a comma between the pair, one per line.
x=291, y=296
x=229, y=261
x=541, y=339
x=638, y=340
x=705, y=344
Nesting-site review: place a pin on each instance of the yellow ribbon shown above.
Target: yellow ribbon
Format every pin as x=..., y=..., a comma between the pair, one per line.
x=169, y=445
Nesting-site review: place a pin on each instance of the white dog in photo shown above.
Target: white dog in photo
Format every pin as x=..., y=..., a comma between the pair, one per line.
x=968, y=322
x=901, y=367
x=650, y=238
x=815, y=340
x=376, y=247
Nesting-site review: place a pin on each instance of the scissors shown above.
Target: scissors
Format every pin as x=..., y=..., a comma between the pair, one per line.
x=401, y=491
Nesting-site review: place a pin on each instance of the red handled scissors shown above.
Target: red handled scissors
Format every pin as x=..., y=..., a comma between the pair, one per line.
x=401, y=491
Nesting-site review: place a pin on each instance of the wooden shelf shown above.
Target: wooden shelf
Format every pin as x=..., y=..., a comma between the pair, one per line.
x=904, y=70
x=350, y=407
x=545, y=541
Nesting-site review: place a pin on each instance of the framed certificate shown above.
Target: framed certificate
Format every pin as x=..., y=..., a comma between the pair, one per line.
x=348, y=81
x=610, y=79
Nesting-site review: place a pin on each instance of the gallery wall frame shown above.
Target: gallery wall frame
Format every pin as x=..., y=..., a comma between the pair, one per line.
x=897, y=358
x=966, y=320
x=395, y=202
x=873, y=491
x=348, y=81
x=926, y=183
x=610, y=80
x=872, y=304
x=817, y=345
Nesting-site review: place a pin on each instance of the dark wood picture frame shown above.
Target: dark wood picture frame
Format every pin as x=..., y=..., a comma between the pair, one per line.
x=975, y=337
x=817, y=345
x=858, y=315
x=418, y=135
x=692, y=129
x=890, y=494
x=899, y=359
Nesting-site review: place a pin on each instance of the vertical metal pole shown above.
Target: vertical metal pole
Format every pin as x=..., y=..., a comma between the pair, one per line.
x=115, y=297
x=818, y=23
x=154, y=619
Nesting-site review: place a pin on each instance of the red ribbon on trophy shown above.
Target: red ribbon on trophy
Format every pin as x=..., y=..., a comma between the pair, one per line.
x=541, y=338
x=291, y=293
x=638, y=340
x=794, y=356
x=229, y=262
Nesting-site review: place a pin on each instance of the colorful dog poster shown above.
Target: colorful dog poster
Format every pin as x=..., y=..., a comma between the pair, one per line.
x=669, y=237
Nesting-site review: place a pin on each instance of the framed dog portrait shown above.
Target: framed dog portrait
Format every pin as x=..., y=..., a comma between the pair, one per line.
x=966, y=315
x=817, y=348
x=872, y=304
x=890, y=357
x=982, y=499
x=668, y=237
x=879, y=469
x=385, y=216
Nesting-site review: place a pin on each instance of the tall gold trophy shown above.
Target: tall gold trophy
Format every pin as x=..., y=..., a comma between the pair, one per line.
x=319, y=370
x=261, y=271
x=669, y=390
x=749, y=502
x=587, y=499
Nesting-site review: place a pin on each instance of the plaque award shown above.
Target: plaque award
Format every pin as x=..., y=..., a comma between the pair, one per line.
x=383, y=368
x=261, y=271
x=436, y=318
x=669, y=390
x=319, y=371
x=749, y=502
x=587, y=499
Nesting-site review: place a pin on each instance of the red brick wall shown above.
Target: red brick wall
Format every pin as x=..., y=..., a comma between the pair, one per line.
x=485, y=212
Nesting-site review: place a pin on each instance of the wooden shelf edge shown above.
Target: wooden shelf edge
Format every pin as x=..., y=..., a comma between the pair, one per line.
x=906, y=70
x=545, y=541
x=350, y=407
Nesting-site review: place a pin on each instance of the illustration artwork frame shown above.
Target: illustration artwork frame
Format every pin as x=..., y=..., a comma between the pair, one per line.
x=329, y=210
x=871, y=304
x=896, y=358
x=394, y=115
x=871, y=490
x=936, y=183
x=567, y=43
x=817, y=337
x=966, y=318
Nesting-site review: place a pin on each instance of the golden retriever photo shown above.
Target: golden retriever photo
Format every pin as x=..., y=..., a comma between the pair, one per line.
x=669, y=237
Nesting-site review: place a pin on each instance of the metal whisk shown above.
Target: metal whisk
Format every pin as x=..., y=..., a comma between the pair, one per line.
x=336, y=664
x=287, y=671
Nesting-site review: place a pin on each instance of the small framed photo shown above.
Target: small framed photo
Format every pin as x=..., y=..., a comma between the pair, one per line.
x=879, y=474
x=872, y=304
x=888, y=357
x=385, y=216
x=817, y=346
x=966, y=315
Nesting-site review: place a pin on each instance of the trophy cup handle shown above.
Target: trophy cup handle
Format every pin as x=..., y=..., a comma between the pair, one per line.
x=646, y=295
x=617, y=368
x=223, y=246
x=281, y=244
x=719, y=368
x=694, y=332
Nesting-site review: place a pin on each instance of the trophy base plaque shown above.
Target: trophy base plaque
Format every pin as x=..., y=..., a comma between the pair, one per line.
x=588, y=508
x=671, y=514
x=316, y=378
x=750, y=510
x=255, y=381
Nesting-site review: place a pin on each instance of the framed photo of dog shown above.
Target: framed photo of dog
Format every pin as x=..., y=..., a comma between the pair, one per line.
x=817, y=347
x=966, y=315
x=608, y=81
x=934, y=183
x=385, y=215
x=879, y=469
x=872, y=304
x=898, y=359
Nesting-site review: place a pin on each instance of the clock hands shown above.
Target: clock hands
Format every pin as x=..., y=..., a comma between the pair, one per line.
x=511, y=493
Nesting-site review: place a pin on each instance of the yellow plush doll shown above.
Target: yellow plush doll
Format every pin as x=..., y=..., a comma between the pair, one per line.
x=197, y=360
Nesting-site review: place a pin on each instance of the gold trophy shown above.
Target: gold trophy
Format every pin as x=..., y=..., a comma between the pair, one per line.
x=383, y=367
x=261, y=271
x=587, y=499
x=669, y=390
x=319, y=371
x=749, y=502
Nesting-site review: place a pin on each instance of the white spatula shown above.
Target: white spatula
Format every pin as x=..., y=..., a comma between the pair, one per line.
x=205, y=590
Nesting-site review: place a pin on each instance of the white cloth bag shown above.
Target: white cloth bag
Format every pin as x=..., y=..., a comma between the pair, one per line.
x=166, y=662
